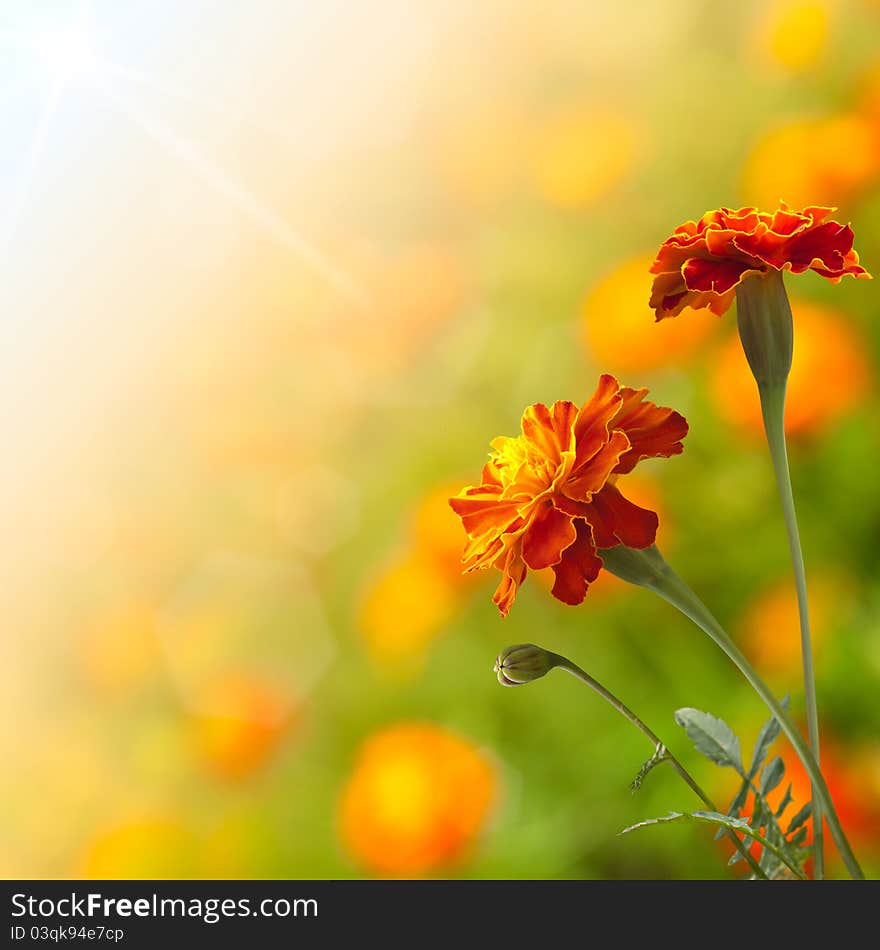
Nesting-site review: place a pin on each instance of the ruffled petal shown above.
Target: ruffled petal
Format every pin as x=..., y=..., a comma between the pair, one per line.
x=653, y=431
x=714, y=275
x=549, y=533
x=616, y=520
x=513, y=573
x=482, y=510
x=579, y=567
x=550, y=430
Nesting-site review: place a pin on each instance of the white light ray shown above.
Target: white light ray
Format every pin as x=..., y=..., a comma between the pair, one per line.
x=38, y=143
x=221, y=182
x=194, y=99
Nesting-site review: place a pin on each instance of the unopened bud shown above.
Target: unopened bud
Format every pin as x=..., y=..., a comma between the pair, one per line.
x=523, y=663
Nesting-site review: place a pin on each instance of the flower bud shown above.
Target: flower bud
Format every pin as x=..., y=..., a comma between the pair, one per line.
x=523, y=663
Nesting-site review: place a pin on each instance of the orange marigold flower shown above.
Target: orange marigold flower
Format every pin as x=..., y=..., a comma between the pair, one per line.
x=417, y=800
x=704, y=261
x=548, y=497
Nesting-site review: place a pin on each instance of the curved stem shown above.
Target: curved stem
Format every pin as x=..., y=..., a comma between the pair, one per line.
x=565, y=664
x=673, y=589
x=773, y=410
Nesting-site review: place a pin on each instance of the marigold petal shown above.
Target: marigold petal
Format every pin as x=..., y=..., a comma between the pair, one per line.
x=716, y=276
x=513, y=570
x=591, y=425
x=549, y=533
x=616, y=520
x=484, y=511
x=550, y=430
x=594, y=473
x=579, y=567
x=828, y=243
x=653, y=431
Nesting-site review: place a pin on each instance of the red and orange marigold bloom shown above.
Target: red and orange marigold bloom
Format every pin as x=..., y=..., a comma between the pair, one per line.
x=549, y=497
x=703, y=261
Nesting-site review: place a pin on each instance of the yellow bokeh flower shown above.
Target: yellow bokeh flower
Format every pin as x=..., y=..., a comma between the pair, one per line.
x=416, y=801
x=580, y=153
x=154, y=847
x=794, y=34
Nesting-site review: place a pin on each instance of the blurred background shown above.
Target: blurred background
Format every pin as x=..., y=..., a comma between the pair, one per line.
x=273, y=275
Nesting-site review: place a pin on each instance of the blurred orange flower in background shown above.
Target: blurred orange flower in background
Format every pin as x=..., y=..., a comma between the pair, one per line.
x=581, y=152
x=830, y=374
x=240, y=724
x=416, y=801
x=413, y=597
x=617, y=333
x=845, y=771
x=703, y=261
x=838, y=157
x=770, y=628
x=548, y=497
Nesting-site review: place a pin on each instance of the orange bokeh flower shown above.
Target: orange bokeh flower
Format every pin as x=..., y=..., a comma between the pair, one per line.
x=616, y=333
x=549, y=498
x=838, y=158
x=769, y=630
x=828, y=348
x=416, y=800
x=241, y=725
x=703, y=261
x=412, y=598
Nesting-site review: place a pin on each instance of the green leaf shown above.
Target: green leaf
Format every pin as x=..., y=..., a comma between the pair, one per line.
x=799, y=837
x=800, y=817
x=787, y=799
x=734, y=824
x=706, y=817
x=737, y=805
x=712, y=737
x=766, y=737
x=772, y=775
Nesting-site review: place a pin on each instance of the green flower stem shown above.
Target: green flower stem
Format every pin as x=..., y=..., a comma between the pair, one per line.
x=648, y=569
x=766, y=330
x=565, y=664
x=773, y=409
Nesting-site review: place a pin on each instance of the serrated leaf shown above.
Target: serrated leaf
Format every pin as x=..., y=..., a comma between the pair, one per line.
x=766, y=737
x=736, y=806
x=800, y=818
x=712, y=737
x=787, y=799
x=799, y=837
x=772, y=775
x=734, y=824
x=708, y=817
